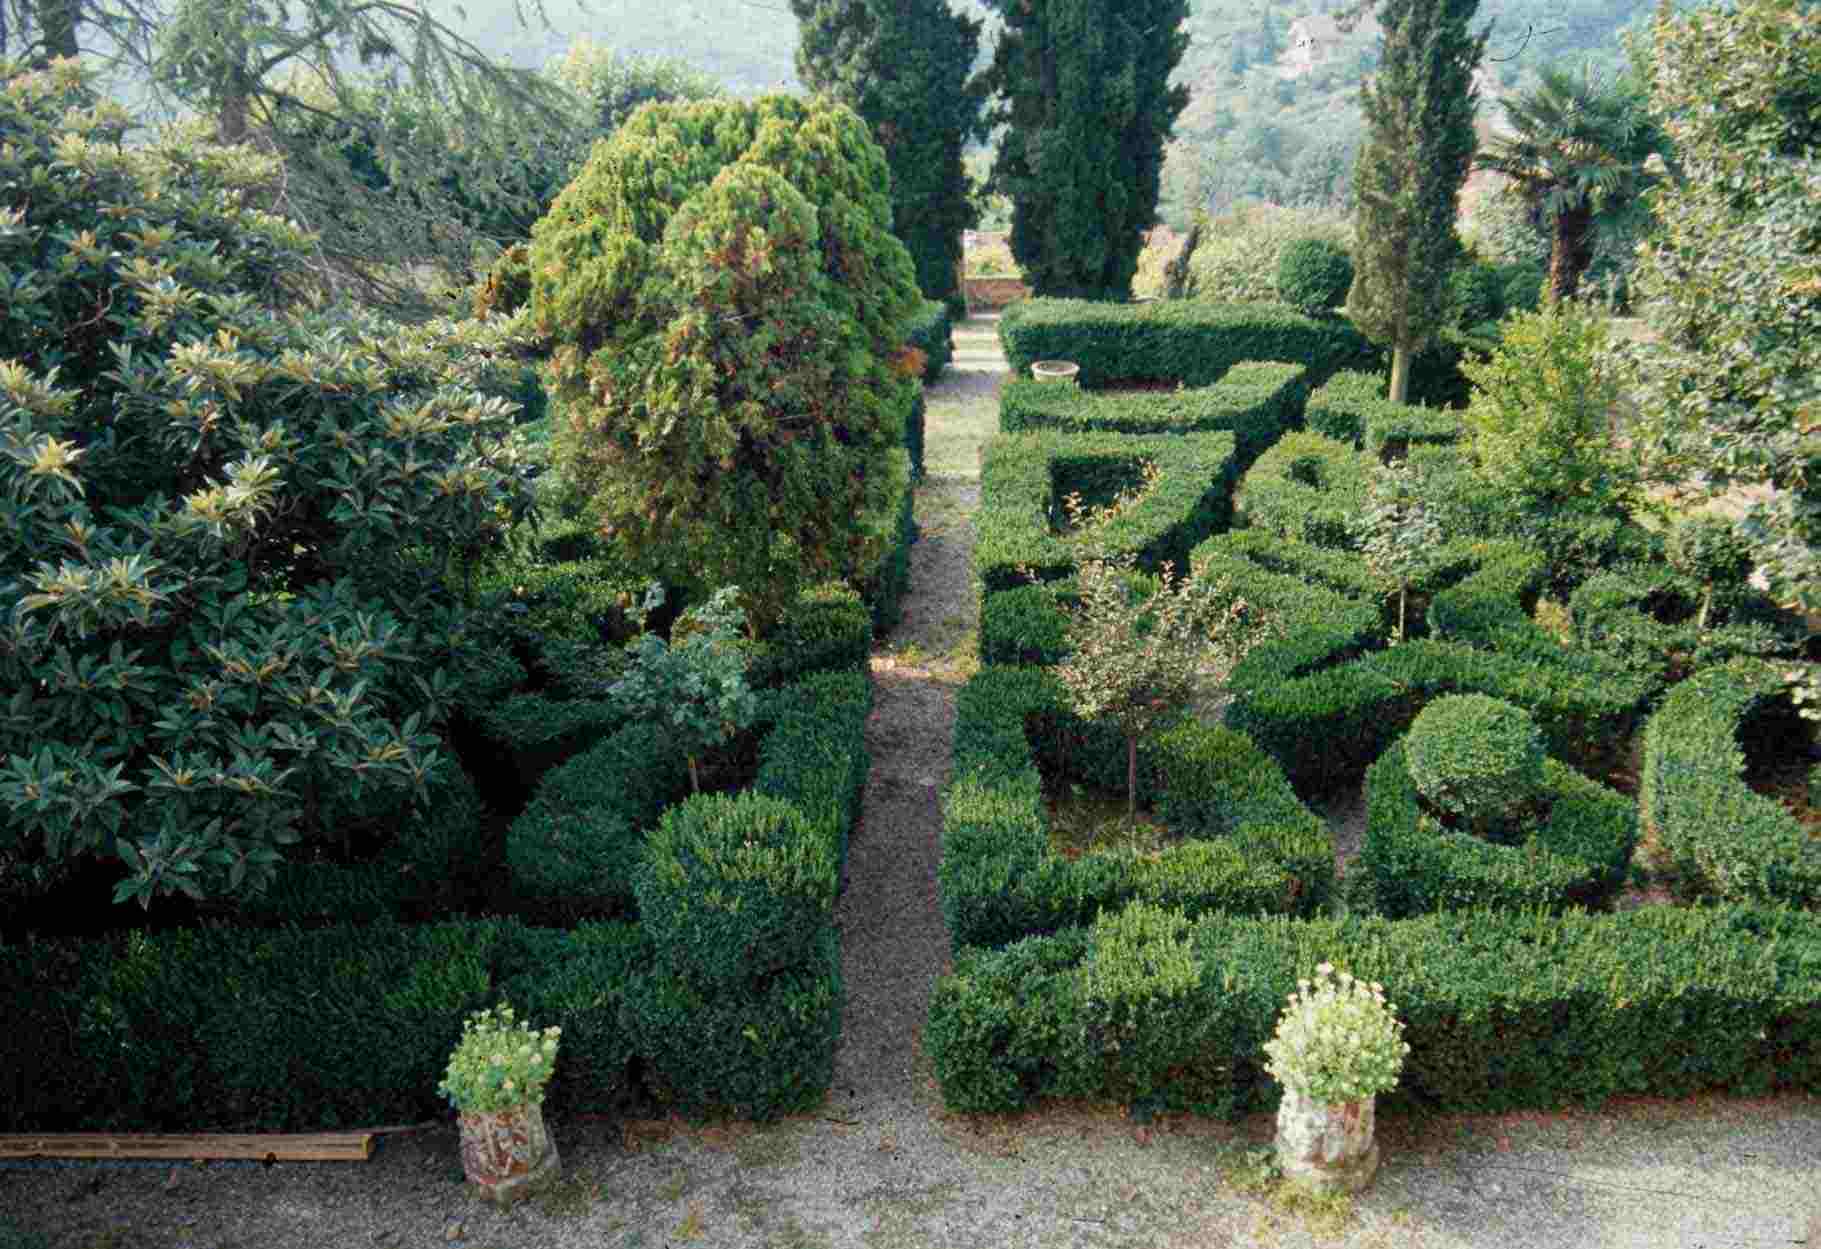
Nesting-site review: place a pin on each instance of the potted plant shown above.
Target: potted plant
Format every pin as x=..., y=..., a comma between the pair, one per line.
x=496, y=1081
x=1338, y=1046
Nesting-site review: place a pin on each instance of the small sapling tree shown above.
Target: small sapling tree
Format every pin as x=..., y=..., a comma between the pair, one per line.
x=694, y=686
x=1398, y=535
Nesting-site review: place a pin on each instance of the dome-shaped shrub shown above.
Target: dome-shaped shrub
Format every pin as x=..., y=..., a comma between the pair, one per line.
x=1476, y=758
x=1475, y=295
x=1522, y=283
x=1313, y=275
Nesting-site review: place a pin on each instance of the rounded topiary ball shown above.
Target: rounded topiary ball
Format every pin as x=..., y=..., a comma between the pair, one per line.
x=1475, y=295
x=1476, y=758
x=1313, y=275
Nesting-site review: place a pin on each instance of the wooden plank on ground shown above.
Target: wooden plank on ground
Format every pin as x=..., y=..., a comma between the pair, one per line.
x=257, y=1147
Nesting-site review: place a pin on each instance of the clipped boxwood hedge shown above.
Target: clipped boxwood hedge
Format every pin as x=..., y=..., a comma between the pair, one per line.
x=1024, y=478
x=1502, y=1010
x=1255, y=402
x=1351, y=407
x=1248, y=846
x=932, y=331
x=1183, y=341
x=537, y=731
x=1578, y=856
x=1726, y=841
x=1308, y=488
x=883, y=585
x=1648, y=615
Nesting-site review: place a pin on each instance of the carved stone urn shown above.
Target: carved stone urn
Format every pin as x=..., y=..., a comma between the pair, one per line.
x=1327, y=1146
x=507, y=1154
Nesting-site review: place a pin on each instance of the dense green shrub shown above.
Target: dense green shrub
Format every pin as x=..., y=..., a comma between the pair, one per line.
x=229, y=523
x=1024, y=625
x=1502, y=1010
x=1248, y=844
x=537, y=732
x=1339, y=407
x=1726, y=841
x=1313, y=276
x=828, y=628
x=1709, y=549
x=1521, y=286
x=1476, y=758
x=1649, y=617
x=1256, y=402
x=1574, y=853
x=577, y=980
x=728, y=307
x=931, y=330
x=882, y=582
x=1308, y=488
x=1182, y=341
x=1024, y=479
x=572, y=851
x=1351, y=407
x=1476, y=295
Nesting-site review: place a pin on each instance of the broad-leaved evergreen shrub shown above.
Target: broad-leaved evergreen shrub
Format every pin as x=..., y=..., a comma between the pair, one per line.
x=726, y=306
x=1313, y=276
x=1477, y=759
x=233, y=532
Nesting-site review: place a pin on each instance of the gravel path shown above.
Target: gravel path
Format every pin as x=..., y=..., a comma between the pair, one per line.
x=880, y=1164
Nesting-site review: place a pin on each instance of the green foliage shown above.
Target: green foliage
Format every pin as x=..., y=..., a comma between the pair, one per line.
x=1089, y=107
x=1313, y=276
x=1247, y=844
x=613, y=86
x=1256, y=401
x=1419, y=118
x=1667, y=625
x=500, y=1062
x=572, y=851
x=1181, y=341
x=12, y=1236
x=577, y=980
x=227, y=530
x=1397, y=535
x=694, y=685
x=1709, y=549
x=1338, y=1040
x=932, y=332
x=538, y=731
x=1502, y=1011
x=1477, y=759
x=1307, y=488
x=904, y=66
x=1025, y=480
x=725, y=302
x=1239, y=259
x=1541, y=418
x=1476, y=295
x=1726, y=841
x=1023, y=625
x=829, y=627
x=1733, y=275
x=1577, y=853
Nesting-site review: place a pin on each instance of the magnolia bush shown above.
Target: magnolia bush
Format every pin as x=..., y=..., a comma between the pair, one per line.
x=499, y=1063
x=1338, y=1040
x=228, y=525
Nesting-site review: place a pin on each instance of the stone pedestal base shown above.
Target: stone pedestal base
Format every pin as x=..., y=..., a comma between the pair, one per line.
x=1328, y=1147
x=507, y=1154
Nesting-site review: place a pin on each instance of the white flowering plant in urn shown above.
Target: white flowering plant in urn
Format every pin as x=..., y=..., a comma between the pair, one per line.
x=1338, y=1040
x=499, y=1063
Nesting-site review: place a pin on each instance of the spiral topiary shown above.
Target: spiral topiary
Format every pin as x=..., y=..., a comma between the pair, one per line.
x=1313, y=275
x=1477, y=759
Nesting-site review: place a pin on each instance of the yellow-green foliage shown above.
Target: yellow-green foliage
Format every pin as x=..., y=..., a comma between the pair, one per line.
x=724, y=298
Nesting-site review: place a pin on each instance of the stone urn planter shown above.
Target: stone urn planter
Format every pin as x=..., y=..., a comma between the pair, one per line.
x=1329, y=1147
x=507, y=1154
x=1055, y=370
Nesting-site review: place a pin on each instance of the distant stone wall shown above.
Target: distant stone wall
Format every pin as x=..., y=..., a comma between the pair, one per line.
x=994, y=292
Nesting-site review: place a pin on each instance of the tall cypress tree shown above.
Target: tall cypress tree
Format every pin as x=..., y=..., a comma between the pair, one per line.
x=903, y=66
x=1419, y=143
x=1088, y=107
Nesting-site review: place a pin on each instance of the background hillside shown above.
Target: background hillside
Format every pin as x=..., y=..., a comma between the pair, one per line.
x=1273, y=114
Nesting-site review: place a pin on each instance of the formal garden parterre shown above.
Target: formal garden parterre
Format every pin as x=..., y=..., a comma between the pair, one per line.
x=1492, y=895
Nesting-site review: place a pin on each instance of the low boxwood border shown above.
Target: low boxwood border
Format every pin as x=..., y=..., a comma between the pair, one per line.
x=1255, y=402
x=1725, y=841
x=1020, y=499
x=1351, y=407
x=1275, y=496
x=1184, y=341
x=1503, y=1010
x=1579, y=857
x=1250, y=845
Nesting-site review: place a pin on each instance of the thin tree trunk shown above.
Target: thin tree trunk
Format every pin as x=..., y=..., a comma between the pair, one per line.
x=231, y=123
x=1570, y=253
x=1403, y=596
x=1400, y=373
x=1131, y=778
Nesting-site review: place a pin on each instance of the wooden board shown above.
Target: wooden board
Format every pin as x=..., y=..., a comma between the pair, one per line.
x=257, y=1147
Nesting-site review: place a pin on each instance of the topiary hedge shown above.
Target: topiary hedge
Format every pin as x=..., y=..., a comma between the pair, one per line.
x=1502, y=1010
x=1256, y=402
x=1726, y=841
x=931, y=330
x=1648, y=616
x=1576, y=853
x=1249, y=845
x=1313, y=275
x=1024, y=478
x=1476, y=758
x=1308, y=488
x=1184, y=341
